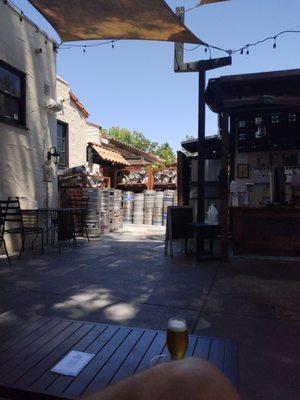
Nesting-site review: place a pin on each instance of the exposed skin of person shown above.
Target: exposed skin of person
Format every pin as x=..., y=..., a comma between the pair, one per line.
x=188, y=379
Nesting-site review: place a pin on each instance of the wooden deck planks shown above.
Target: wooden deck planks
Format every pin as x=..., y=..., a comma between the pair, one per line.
x=5, y=331
x=134, y=358
x=63, y=382
x=48, y=378
x=155, y=349
x=110, y=368
x=15, y=358
x=90, y=372
x=202, y=347
x=27, y=357
x=29, y=332
x=50, y=357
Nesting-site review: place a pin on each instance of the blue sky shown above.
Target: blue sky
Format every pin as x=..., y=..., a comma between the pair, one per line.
x=134, y=85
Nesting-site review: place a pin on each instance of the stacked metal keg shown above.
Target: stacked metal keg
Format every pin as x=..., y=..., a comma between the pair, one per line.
x=149, y=196
x=98, y=207
x=118, y=209
x=105, y=224
x=138, y=209
x=115, y=203
x=93, y=215
x=128, y=198
x=168, y=201
x=104, y=208
x=158, y=208
x=175, y=198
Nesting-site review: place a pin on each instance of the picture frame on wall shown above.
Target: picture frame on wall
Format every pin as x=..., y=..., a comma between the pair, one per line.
x=243, y=171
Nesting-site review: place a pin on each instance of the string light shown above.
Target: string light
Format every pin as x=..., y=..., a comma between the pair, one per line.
x=68, y=46
x=245, y=47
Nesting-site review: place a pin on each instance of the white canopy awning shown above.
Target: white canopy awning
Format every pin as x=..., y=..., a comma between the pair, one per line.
x=114, y=19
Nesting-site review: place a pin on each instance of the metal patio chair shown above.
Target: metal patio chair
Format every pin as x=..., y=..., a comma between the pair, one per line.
x=16, y=223
x=82, y=226
x=2, y=226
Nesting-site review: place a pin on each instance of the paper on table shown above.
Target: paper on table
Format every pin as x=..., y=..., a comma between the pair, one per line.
x=73, y=363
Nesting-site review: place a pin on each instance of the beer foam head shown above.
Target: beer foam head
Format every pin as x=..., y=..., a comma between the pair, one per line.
x=177, y=325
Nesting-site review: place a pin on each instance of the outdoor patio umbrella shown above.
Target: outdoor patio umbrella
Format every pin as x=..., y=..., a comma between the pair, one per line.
x=114, y=19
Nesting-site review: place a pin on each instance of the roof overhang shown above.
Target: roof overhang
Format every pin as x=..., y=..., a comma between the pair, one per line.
x=212, y=146
x=135, y=153
x=102, y=19
x=263, y=90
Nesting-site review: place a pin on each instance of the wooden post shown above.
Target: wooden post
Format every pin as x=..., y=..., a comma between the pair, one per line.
x=114, y=172
x=150, y=182
x=200, y=150
x=180, y=177
x=223, y=127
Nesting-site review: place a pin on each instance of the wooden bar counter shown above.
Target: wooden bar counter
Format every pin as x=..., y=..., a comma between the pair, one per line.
x=271, y=231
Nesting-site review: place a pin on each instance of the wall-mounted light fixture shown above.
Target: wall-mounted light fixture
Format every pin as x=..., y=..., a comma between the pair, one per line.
x=53, y=106
x=52, y=153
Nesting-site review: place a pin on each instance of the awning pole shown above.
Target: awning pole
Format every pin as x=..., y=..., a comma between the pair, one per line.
x=201, y=153
x=224, y=132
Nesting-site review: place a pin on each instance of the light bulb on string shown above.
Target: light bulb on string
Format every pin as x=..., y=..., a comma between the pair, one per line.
x=274, y=44
x=242, y=51
x=84, y=48
x=112, y=45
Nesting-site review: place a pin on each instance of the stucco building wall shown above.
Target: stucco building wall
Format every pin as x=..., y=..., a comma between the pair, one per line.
x=77, y=126
x=23, y=149
x=93, y=133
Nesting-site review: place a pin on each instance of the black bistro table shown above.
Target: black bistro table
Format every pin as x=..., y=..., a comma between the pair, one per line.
x=62, y=221
x=28, y=355
x=205, y=231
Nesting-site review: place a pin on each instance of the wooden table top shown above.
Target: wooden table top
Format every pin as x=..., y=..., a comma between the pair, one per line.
x=51, y=209
x=28, y=355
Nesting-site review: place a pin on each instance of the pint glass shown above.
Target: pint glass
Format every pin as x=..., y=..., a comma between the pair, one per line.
x=177, y=338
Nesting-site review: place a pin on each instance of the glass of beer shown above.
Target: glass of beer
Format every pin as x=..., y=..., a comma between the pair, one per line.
x=177, y=338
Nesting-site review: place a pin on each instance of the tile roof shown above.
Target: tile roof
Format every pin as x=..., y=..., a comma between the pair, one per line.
x=108, y=154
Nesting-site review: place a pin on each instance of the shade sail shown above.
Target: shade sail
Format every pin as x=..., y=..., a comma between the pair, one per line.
x=114, y=19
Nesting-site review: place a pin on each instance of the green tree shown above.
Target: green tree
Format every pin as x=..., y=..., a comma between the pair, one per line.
x=166, y=154
x=137, y=139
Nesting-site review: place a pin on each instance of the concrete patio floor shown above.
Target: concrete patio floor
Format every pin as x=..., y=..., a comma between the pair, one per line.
x=126, y=279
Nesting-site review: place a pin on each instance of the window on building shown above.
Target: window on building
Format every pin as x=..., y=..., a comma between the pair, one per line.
x=62, y=143
x=12, y=95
